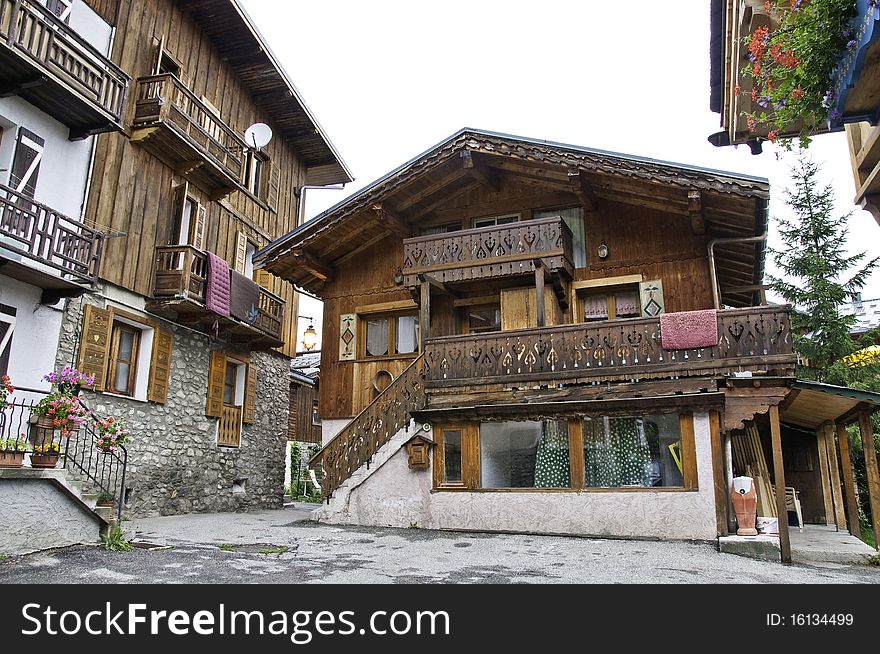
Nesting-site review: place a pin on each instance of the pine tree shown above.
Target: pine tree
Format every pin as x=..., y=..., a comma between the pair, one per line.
x=818, y=275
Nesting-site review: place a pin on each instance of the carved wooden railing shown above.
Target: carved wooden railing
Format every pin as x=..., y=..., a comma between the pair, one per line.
x=229, y=429
x=360, y=439
x=755, y=339
x=164, y=98
x=488, y=251
x=33, y=230
x=28, y=27
x=182, y=272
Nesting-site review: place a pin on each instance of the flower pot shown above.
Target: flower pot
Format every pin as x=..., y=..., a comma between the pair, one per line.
x=11, y=459
x=44, y=460
x=43, y=431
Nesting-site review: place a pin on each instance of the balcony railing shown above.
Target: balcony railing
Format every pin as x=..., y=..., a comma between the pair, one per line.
x=46, y=47
x=51, y=239
x=181, y=273
x=487, y=252
x=200, y=142
x=753, y=339
x=229, y=429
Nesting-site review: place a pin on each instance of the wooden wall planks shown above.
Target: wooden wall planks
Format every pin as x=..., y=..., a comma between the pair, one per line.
x=132, y=190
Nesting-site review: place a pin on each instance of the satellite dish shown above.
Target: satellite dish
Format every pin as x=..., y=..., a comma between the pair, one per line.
x=258, y=135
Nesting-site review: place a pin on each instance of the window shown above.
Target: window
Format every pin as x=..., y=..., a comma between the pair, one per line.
x=480, y=318
x=7, y=327
x=234, y=391
x=182, y=223
x=496, y=220
x=390, y=335
x=632, y=451
x=574, y=218
x=611, y=304
x=60, y=8
x=526, y=454
x=124, y=359
x=445, y=228
x=229, y=384
x=249, y=251
x=255, y=166
x=623, y=453
x=316, y=417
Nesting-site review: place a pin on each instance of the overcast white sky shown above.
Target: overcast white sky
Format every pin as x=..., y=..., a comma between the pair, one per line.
x=388, y=79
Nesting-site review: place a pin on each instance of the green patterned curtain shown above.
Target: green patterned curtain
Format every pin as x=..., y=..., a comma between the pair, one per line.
x=552, y=463
x=616, y=453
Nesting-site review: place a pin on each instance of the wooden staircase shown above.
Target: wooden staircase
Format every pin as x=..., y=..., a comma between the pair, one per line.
x=380, y=420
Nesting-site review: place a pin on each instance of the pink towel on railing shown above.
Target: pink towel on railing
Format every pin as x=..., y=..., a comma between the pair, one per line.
x=689, y=329
x=217, y=292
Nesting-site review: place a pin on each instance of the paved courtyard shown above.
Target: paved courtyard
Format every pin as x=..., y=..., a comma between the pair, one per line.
x=282, y=547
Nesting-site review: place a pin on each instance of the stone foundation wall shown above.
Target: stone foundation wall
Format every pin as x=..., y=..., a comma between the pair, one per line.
x=174, y=463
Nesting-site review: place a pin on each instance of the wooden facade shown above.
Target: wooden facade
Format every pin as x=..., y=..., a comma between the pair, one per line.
x=301, y=425
x=212, y=89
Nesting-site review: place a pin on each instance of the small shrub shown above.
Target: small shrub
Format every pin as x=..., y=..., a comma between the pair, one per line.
x=115, y=541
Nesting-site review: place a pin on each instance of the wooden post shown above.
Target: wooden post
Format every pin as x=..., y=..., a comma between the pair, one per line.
x=424, y=314
x=825, y=476
x=834, y=468
x=779, y=480
x=718, y=476
x=871, y=468
x=849, y=482
x=539, y=292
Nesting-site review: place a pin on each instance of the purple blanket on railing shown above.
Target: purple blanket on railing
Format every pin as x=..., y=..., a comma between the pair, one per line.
x=217, y=290
x=685, y=330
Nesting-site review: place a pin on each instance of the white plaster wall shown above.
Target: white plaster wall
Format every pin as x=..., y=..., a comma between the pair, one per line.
x=35, y=339
x=330, y=427
x=391, y=494
x=91, y=26
x=36, y=515
x=64, y=168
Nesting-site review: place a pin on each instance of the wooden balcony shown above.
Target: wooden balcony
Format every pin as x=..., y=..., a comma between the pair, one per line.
x=489, y=252
x=177, y=127
x=179, y=285
x=756, y=339
x=45, y=248
x=43, y=60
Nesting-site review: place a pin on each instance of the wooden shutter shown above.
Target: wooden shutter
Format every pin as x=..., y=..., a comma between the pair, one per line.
x=199, y=227
x=250, y=395
x=94, y=345
x=160, y=366
x=240, y=252
x=216, y=377
x=264, y=278
x=273, y=191
x=26, y=162
x=180, y=193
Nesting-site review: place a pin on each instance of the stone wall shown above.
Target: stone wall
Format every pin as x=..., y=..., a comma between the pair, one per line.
x=174, y=462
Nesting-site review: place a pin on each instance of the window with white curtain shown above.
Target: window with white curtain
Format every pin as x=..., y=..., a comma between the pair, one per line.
x=389, y=335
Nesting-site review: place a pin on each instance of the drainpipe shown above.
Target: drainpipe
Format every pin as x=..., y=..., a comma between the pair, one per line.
x=716, y=295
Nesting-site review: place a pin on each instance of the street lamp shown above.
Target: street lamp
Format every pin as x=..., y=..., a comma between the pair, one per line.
x=310, y=336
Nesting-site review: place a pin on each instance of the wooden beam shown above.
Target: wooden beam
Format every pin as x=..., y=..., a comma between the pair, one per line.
x=318, y=267
x=539, y=292
x=718, y=477
x=407, y=202
x=479, y=170
x=779, y=481
x=389, y=220
x=695, y=209
x=849, y=482
x=834, y=467
x=825, y=476
x=372, y=240
x=445, y=198
x=580, y=186
x=853, y=414
x=424, y=314
x=873, y=475
x=436, y=283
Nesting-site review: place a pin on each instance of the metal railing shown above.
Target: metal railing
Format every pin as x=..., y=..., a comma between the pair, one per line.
x=42, y=234
x=103, y=472
x=31, y=29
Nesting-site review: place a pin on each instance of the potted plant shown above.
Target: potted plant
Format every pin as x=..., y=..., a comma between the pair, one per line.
x=105, y=499
x=45, y=455
x=69, y=380
x=112, y=433
x=12, y=451
x=5, y=389
x=58, y=411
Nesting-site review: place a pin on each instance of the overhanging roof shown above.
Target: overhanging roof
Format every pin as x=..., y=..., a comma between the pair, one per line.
x=814, y=404
x=735, y=205
x=242, y=46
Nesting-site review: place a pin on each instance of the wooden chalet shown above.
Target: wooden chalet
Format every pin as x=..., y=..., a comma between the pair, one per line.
x=503, y=298
x=185, y=200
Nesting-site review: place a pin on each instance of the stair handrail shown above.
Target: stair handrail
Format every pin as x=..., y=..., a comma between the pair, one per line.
x=369, y=430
